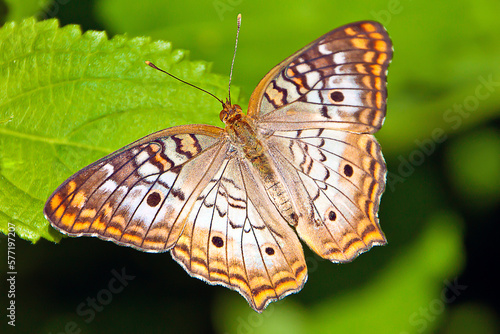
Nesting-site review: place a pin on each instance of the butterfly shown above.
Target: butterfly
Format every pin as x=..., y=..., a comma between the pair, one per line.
x=226, y=202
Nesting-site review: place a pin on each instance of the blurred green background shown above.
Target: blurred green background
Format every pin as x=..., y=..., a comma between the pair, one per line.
x=440, y=211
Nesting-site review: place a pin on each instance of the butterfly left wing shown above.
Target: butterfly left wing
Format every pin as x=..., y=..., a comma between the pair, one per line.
x=236, y=238
x=140, y=195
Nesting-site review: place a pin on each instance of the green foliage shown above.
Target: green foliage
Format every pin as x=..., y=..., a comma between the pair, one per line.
x=68, y=99
x=473, y=163
x=472, y=318
x=18, y=9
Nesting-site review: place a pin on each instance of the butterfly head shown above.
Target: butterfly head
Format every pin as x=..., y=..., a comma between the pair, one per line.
x=230, y=112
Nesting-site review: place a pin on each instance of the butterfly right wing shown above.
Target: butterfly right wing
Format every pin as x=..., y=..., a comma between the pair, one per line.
x=140, y=195
x=235, y=237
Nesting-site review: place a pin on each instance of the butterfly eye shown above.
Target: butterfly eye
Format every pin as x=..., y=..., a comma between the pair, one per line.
x=154, y=198
x=337, y=96
x=348, y=171
x=218, y=242
x=223, y=115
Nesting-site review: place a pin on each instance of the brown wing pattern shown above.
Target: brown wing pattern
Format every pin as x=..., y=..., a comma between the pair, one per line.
x=318, y=110
x=337, y=81
x=139, y=196
x=234, y=238
x=341, y=177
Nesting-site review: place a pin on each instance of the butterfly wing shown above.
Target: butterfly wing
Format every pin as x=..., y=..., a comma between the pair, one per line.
x=339, y=177
x=337, y=81
x=234, y=237
x=140, y=195
x=317, y=110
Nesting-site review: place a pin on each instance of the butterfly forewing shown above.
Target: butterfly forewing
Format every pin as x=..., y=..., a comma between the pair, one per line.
x=338, y=81
x=139, y=195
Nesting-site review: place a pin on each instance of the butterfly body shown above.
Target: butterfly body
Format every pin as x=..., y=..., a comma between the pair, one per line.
x=246, y=139
x=226, y=202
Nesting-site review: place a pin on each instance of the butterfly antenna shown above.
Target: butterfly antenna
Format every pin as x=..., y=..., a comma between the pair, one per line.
x=187, y=83
x=238, y=19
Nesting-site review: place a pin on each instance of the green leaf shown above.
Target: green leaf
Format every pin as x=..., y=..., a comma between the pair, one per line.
x=67, y=99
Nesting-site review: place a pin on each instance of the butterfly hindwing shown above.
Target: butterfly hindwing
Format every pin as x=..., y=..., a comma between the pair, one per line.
x=338, y=81
x=342, y=176
x=233, y=237
x=138, y=195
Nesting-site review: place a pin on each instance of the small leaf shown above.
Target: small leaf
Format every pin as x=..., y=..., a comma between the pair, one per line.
x=67, y=99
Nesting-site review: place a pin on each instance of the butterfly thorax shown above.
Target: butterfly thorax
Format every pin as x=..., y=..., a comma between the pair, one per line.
x=241, y=132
